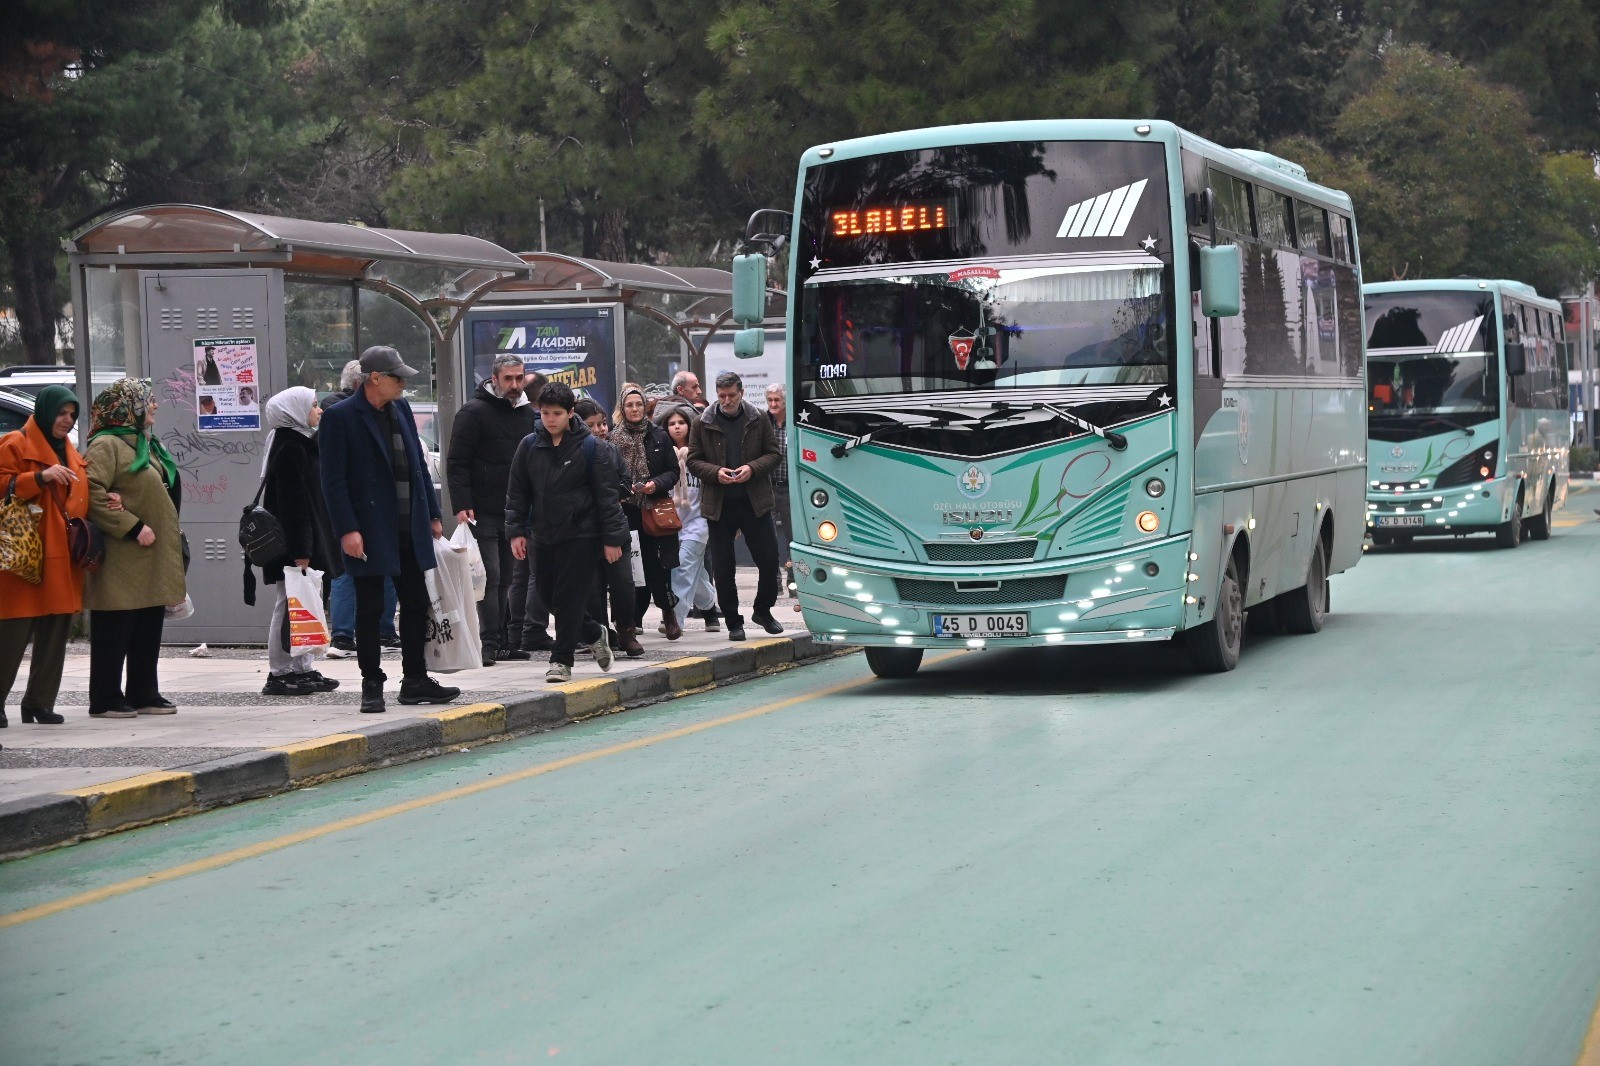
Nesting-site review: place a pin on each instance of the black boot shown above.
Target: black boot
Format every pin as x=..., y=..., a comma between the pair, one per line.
x=372, y=697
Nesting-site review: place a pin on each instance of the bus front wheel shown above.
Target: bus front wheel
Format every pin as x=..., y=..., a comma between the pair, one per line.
x=1303, y=609
x=1508, y=534
x=1214, y=647
x=894, y=662
x=1539, y=528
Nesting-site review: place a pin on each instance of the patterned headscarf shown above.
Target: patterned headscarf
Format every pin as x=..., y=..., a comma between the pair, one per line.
x=120, y=410
x=289, y=409
x=629, y=439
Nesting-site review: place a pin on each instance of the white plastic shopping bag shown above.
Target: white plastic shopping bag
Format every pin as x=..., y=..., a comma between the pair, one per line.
x=636, y=560
x=308, y=619
x=452, y=642
x=463, y=539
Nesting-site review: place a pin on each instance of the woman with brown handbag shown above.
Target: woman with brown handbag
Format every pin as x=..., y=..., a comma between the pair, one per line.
x=651, y=466
x=47, y=470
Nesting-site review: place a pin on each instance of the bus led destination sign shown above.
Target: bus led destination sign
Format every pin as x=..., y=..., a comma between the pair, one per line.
x=880, y=221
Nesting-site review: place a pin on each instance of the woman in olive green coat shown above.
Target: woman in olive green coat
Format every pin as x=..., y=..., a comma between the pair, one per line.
x=143, y=570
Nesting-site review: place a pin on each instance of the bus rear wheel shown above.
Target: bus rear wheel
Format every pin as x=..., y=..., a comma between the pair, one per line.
x=1508, y=534
x=1303, y=609
x=1540, y=527
x=894, y=662
x=1214, y=647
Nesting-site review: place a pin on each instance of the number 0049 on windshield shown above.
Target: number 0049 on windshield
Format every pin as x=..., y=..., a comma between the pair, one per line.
x=980, y=625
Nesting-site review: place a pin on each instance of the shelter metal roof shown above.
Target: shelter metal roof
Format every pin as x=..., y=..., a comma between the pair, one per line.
x=300, y=246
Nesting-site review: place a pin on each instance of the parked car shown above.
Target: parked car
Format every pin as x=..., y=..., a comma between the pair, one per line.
x=31, y=378
x=15, y=409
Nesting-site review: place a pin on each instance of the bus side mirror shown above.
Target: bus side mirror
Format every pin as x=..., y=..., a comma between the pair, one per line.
x=1220, y=293
x=748, y=343
x=1516, y=359
x=749, y=289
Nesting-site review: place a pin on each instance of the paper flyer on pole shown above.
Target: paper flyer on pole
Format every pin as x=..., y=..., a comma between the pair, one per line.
x=227, y=384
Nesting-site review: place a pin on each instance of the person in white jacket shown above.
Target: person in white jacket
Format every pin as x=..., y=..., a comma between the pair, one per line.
x=691, y=579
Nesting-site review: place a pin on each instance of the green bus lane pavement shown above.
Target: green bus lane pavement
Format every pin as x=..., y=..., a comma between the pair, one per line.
x=1378, y=844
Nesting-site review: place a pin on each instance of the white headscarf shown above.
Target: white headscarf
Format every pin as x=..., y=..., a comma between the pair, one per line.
x=289, y=409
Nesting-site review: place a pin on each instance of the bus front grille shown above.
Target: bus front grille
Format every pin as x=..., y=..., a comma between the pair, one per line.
x=1049, y=588
x=969, y=551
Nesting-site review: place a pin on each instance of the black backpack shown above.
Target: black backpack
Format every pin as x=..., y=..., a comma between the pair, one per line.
x=261, y=537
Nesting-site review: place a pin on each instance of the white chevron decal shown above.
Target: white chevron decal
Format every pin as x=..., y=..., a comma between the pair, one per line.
x=1106, y=215
x=1456, y=338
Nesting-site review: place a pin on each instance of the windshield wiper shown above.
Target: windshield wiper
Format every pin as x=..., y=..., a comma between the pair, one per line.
x=1110, y=436
x=1452, y=424
x=845, y=447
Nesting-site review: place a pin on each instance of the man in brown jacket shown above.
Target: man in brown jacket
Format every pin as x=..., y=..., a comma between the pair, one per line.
x=732, y=450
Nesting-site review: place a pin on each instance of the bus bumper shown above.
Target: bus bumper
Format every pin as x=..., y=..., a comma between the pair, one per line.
x=1475, y=508
x=1110, y=597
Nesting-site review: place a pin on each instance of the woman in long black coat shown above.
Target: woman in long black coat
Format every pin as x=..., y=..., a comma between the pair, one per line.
x=651, y=465
x=293, y=495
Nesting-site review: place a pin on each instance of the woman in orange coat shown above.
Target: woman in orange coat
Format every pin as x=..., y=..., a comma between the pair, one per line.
x=49, y=471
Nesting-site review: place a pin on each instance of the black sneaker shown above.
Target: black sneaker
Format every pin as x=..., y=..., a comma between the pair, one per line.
x=392, y=643
x=516, y=654
x=287, y=685
x=425, y=689
x=372, y=697
x=317, y=681
x=767, y=622
x=342, y=648
x=538, y=640
x=736, y=632
x=488, y=655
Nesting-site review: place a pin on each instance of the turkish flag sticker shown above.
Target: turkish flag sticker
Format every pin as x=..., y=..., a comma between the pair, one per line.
x=808, y=455
x=961, y=345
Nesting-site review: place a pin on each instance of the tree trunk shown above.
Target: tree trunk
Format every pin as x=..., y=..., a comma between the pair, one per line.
x=610, y=243
x=33, y=283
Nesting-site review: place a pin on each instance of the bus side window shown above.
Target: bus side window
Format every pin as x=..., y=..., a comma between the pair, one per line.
x=1231, y=203
x=1204, y=363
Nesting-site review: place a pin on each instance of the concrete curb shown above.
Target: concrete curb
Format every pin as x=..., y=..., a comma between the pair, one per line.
x=51, y=820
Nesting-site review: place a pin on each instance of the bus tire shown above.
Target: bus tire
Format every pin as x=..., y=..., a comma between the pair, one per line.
x=894, y=662
x=1540, y=526
x=1303, y=609
x=1214, y=647
x=1508, y=534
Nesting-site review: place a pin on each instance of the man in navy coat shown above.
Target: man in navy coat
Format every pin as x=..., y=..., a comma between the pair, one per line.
x=386, y=515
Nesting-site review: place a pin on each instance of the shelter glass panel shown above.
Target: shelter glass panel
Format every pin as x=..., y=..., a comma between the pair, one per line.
x=386, y=321
x=319, y=324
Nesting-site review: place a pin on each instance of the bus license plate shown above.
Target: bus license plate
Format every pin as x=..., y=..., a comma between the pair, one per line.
x=980, y=625
x=1391, y=520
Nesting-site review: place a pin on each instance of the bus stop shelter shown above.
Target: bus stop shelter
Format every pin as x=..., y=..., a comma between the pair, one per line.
x=221, y=309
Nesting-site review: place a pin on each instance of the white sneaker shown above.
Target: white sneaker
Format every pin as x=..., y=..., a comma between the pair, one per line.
x=336, y=652
x=557, y=673
x=602, y=652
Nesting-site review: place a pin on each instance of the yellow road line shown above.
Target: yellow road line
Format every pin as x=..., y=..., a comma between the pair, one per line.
x=266, y=847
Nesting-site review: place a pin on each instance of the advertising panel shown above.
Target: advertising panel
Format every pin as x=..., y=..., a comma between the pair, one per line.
x=227, y=393
x=572, y=344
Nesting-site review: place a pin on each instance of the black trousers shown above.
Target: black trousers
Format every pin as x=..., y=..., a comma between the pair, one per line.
x=412, y=588
x=614, y=583
x=495, y=608
x=527, y=615
x=48, y=633
x=130, y=639
x=565, y=575
x=738, y=516
x=660, y=558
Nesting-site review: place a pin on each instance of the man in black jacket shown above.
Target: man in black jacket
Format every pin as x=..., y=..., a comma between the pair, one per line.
x=563, y=497
x=483, y=440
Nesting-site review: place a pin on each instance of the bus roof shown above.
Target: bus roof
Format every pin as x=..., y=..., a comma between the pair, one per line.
x=1260, y=166
x=1506, y=285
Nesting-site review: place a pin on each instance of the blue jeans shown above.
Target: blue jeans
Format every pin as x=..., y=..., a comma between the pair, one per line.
x=342, y=608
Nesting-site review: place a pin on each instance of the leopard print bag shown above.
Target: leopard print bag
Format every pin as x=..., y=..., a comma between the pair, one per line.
x=21, y=547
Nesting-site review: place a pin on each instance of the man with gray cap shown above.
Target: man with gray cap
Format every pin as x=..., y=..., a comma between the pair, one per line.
x=386, y=515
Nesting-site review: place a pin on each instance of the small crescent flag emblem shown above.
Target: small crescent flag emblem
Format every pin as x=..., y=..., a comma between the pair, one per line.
x=961, y=345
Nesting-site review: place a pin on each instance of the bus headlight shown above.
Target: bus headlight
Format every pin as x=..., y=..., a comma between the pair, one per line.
x=819, y=498
x=827, y=531
x=1148, y=521
x=1155, y=487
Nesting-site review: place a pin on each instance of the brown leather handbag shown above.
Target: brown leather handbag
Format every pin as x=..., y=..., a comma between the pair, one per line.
x=659, y=518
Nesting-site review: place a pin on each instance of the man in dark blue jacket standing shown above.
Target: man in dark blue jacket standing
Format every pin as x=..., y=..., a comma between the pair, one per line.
x=563, y=497
x=386, y=514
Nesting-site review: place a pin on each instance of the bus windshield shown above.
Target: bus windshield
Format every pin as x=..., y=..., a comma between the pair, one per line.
x=1430, y=361
x=923, y=329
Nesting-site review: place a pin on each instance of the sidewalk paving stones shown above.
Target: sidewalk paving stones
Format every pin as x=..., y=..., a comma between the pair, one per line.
x=228, y=742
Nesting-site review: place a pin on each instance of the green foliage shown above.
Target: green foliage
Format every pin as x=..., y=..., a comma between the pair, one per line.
x=1448, y=179
x=1582, y=459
